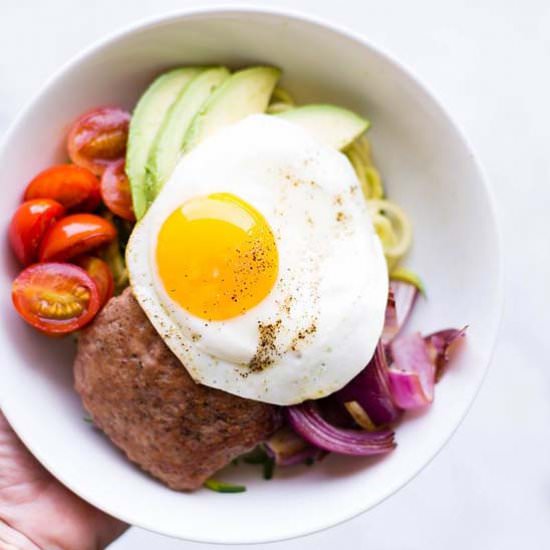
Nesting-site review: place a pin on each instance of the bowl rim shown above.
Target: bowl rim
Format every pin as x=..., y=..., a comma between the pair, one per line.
x=148, y=22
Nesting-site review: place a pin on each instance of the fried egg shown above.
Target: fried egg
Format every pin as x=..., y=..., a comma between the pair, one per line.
x=259, y=267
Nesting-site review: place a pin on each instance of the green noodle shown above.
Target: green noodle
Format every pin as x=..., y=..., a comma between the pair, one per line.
x=359, y=154
x=113, y=254
x=281, y=95
x=281, y=101
x=278, y=107
x=393, y=228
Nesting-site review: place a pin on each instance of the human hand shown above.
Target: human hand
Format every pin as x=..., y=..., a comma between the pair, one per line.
x=33, y=504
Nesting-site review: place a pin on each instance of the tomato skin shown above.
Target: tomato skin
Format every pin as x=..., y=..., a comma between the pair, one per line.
x=115, y=191
x=99, y=271
x=55, y=298
x=74, y=187
x=99, y=138
x=75, y=235
x=28, y=225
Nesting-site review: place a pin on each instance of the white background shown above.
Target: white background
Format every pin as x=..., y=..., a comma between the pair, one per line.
x=489, y=62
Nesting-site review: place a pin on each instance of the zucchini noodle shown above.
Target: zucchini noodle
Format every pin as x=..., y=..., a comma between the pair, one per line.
x=281, y=101
x=113, y=254
x=390, y=222
x=360, y=416
x=278, y=107
x=359, y=154
x=393, y=227
x=283, y=96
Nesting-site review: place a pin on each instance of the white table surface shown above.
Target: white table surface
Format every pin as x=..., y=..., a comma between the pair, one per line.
x=489, y=62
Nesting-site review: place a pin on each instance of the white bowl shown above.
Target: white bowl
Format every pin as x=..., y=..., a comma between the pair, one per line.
x=428, y=169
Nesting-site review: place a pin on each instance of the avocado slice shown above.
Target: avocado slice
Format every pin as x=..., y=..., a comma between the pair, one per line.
x=243, y=93
x=168, y=143
x=146, y=120
x=332, y=125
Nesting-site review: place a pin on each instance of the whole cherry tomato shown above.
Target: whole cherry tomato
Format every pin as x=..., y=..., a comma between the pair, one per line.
x=55, y=298
x=28, y=225
x=98, y=138
x=115, y=191
x=75, y=235
x=99, y=271
x=74, y=187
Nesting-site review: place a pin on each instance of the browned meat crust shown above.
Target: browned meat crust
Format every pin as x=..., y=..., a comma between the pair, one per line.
x=140, y=395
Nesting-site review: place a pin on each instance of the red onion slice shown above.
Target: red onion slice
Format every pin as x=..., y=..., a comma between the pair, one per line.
x=401, y=299
x=412, y=373
x=439, y=346
x=391, y=325
x=307, y=422
x=371, y=389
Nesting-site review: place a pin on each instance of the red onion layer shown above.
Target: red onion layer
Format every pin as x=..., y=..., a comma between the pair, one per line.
x=412, y=373
x=401, y=299
x=371, y=389
x=307, y=422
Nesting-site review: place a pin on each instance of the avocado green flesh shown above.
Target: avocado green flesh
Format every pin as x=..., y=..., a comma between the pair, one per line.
x=184, y=106
x=244, y=93
x=168, y=143
x=146, y=121
x=332, y=125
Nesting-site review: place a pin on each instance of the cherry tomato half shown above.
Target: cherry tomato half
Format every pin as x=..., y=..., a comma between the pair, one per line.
x=98, y=138
x=29, y=224
x=75, y=235
x=99, y=271
x=76, y=188
x=55, y=298
x=115, y=191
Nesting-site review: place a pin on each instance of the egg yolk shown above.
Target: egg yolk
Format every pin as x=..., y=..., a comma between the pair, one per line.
x=216, y=256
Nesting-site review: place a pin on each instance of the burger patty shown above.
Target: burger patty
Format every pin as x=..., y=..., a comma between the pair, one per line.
x=142, y=397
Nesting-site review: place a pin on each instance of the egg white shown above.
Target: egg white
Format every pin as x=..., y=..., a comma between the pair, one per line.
x=329, y=299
